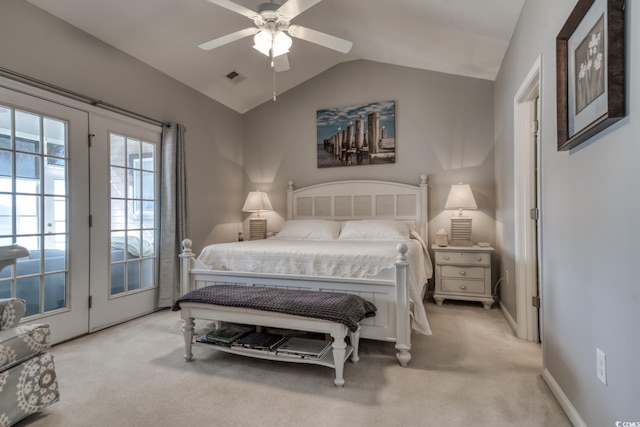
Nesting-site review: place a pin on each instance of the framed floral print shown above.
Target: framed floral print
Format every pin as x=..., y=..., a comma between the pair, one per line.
x=590, y=69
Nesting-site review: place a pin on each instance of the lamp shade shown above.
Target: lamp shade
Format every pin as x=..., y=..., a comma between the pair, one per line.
x=257, y=201
x=460, y=197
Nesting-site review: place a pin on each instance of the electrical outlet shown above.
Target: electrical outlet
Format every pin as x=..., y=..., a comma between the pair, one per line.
x=601, y=366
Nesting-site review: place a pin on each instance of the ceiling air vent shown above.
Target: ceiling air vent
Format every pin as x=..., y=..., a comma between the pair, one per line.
x=235, y=77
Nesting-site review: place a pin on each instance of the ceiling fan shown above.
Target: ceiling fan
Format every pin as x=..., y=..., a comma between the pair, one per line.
x=273, y=28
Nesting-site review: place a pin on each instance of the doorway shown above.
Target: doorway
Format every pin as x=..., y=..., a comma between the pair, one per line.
x=527, y=208
x=78, y=188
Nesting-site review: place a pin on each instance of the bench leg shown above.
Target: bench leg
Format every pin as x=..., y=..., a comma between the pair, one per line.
x=339, y=347
x=355, y=343
x=187, y=330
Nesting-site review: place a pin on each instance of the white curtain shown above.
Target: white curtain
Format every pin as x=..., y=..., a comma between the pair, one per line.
x=173, y=212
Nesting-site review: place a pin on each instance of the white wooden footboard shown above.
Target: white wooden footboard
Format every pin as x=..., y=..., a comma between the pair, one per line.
x=391, y=297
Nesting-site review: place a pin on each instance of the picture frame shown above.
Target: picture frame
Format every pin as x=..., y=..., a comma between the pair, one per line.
x=363, y=134
x=590, y=71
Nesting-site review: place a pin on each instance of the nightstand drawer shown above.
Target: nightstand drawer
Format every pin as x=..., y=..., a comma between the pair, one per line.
x=466, y=258
x=463, y=286
x=463, y=272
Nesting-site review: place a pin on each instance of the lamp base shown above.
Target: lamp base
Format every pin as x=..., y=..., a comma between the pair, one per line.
x=257, y=228
x=461, y=231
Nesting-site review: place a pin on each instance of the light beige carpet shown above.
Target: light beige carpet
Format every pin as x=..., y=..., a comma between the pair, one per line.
x=471, y=372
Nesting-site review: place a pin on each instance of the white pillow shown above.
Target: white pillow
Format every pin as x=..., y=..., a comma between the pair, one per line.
x=374, y=229
x=309, y=229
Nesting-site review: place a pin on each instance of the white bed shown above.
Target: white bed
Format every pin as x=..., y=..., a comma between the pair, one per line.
x=387, y=270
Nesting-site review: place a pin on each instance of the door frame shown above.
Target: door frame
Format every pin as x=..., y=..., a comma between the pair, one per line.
x=528, y=243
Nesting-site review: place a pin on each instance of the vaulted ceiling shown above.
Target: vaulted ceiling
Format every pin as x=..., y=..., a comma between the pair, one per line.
x=464, y=37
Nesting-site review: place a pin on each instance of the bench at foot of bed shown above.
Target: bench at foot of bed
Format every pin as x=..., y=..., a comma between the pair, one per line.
x=328, y=313
x=334, y=359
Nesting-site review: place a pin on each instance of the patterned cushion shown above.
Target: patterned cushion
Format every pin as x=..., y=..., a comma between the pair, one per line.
x=12, y=310
x=22, y=342
x=27, y=388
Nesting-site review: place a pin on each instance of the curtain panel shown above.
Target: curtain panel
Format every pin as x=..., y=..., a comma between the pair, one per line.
x=174, y=227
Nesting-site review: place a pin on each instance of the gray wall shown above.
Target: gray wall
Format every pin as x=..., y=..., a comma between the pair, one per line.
x=590, y=237
x=444, y=129
x=41, y=46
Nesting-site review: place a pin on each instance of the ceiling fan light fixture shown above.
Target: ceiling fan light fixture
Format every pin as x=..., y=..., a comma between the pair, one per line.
x=263, y=41
x=266, y=41
x=281, y=43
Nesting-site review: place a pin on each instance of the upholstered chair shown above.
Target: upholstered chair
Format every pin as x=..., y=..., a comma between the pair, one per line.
x=27, y=374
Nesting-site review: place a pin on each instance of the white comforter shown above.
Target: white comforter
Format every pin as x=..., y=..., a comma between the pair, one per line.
x=332, y=258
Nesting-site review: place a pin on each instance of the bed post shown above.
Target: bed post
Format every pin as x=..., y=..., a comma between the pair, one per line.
x=424, y=223
x=403, y=327
x=186, y=264
x=289, y=200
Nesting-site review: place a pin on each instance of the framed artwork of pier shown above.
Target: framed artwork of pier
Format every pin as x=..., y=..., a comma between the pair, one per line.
x=590, y=71
x=357, y=135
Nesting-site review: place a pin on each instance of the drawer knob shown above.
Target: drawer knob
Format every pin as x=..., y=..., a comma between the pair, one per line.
x=463, y=273
x=446, y=257
x=479, y=258
x=463, y=287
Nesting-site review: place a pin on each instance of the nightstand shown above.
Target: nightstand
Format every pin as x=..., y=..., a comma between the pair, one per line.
x=463, y=273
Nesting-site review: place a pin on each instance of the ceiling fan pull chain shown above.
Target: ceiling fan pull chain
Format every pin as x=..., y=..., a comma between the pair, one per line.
x=274, y=83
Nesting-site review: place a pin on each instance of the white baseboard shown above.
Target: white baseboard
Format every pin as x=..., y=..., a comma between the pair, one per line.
x=510, y=320
x=563, y=400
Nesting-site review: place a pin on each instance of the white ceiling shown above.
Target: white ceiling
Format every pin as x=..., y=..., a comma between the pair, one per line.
x=464, y=37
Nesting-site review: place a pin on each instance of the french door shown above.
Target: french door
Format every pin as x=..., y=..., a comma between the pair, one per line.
x=124, y=209
x=44, y=190
x=85, y=207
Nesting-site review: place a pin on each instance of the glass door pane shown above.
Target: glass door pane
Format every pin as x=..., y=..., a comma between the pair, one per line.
x=33, y=207
x=124, y=194
x=133, y=217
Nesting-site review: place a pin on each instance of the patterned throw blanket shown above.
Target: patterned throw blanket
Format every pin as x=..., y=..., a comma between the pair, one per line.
x=333, y=306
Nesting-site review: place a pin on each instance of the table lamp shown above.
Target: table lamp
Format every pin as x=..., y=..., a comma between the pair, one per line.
x=460, y=197
x=257, y=201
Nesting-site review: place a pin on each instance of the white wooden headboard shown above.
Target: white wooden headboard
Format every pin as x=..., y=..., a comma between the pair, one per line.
x=362, y=199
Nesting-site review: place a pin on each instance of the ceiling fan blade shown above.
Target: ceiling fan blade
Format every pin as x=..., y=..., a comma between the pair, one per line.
x=220, y=41
x=293, y=8
x=281, y=63
x=322, y=39
x=234, y=7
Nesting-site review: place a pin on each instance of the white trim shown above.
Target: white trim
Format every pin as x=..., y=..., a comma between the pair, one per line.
x=508, y=317
x=524, y=191
x=563, y=400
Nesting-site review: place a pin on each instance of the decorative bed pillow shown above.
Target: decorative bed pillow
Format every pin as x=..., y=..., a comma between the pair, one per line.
x=309, y=229
x=374, y=229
